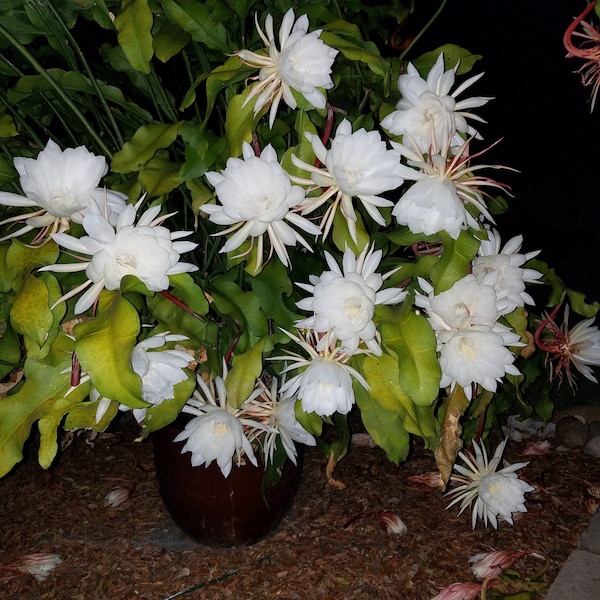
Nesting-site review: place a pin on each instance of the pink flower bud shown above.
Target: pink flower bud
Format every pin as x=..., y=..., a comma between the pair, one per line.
x=391, y=522
x=460, y=591
x=491, y=564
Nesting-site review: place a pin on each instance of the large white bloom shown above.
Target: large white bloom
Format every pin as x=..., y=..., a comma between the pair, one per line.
x=343, y=302
x=473, y=346
x=257, y=197
x=428, y=113
x=63, y=184
x=159, y=370
x=495, y=494
x=144, y=249
x=302, y=63
x=357, y=165
x=507, y=264
x=215, y=432
x=443, y=189
x=324, y=381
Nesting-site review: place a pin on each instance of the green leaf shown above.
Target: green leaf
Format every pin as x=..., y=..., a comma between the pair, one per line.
x=7, y=129
x=104, y=345
x=22, y=259
x=270, y=287
x=30, y=314
x=159, y=177
x=134, y=25
x=239, y=123
x=50, y=423
x=241, y=378
x=168, y=41
x=411, y=338
x=46, y=381
x=455, y=261
x=385, y=427
x=142, y=146
x=196, y=18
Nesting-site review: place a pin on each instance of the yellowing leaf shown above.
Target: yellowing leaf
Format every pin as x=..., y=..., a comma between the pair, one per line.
x=134, y=25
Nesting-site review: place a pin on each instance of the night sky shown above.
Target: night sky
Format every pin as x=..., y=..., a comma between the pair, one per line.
x=542, y=112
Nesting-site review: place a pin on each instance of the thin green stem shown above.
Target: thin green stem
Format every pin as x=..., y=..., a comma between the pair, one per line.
x=62, y=96
x=104, y=104
x=423, y=30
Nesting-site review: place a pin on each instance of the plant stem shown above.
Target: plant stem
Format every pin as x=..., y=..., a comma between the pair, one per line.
x=57, y=90
x=423, y=30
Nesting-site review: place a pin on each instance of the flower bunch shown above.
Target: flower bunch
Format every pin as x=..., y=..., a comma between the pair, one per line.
x=275, y=223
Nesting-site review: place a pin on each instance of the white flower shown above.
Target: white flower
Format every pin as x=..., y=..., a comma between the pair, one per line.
x=468, y=302
x=357, y=165
x=428, y=113
x=473, y=346
x=256, y=197
x=302, y=63
x=63, y=184
x=324, y=385
x=160, y=371
x=343, y=302
x=507, y=265
x=145, y=249
x=495, y=494
x=270, y=417
x=214, y=433
x=443, y=189
x=476, y=355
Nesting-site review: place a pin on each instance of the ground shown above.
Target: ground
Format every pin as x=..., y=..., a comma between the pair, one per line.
x=330, y=546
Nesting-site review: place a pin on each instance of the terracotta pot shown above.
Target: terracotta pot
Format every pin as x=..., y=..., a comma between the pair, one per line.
x=215, y=510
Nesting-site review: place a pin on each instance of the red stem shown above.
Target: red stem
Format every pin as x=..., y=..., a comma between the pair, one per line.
x=568, y=43
x=182, y=305
x=537, y=336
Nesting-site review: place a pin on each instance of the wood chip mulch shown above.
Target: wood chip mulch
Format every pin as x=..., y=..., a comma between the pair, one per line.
x=330, y=546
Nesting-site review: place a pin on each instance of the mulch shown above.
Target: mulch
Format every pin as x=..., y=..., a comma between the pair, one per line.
x=330, y=545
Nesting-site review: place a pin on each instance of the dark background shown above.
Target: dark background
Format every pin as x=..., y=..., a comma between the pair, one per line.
x=542, y=112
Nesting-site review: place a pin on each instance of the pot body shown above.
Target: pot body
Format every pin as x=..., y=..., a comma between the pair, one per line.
x=215, y=510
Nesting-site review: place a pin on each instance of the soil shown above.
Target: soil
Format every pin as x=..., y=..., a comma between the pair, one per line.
x=330, y=546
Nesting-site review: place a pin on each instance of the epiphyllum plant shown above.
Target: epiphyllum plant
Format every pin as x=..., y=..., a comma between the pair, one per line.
x=303, y=210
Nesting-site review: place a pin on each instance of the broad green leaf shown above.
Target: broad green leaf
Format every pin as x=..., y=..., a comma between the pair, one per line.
x=385, y=427
x=142, y=146
x=7, y=129
x=22, y=259
x=270, y=286
x=50, y=424
x=46, y=381
x=168, y=41
x=231, y=71
x=341, y=234
x=30, y=314
x=381, y=373
x=239, y=123
x=159, y=177
x=195, y=18
x=455, y=261
x=355, y=49
x=242, y=307
x=411, y=338
x=202, y=150
x=104, y=345
x=241, y=378
x=134, y=25
x=83, y=416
